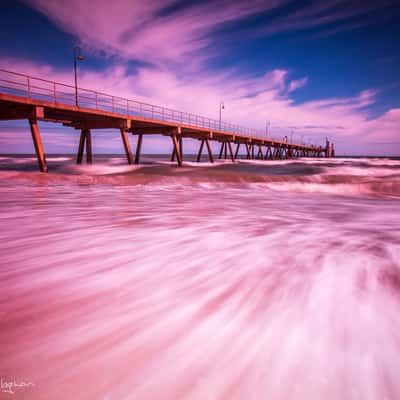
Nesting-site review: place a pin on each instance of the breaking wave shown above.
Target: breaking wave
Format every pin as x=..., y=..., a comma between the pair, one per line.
x=259, y=280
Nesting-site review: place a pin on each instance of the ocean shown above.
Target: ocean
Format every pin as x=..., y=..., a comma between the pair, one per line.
x=255, y=280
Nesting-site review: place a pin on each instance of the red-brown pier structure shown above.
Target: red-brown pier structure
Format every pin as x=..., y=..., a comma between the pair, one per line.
x=36, y=99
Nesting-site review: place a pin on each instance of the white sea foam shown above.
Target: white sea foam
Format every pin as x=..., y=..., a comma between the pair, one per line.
x=198, y=290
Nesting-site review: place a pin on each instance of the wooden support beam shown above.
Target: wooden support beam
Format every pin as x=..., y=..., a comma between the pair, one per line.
x=14, y=112
x=138, y=148
x=225, y=151
x=200, y=150
x=181, y=147
x=81, y=147
x=237, y=150
x=231, y=152
x=252, y=151
x=268, y=153
x=210, y=156
x=146, y=130
x=88, y=122
x=37, y=141
x=248, y=151
x=260, y=155
x=127, y=146
x=173, y=154
x=175, y=142
x=89, y=157
x=221, y=150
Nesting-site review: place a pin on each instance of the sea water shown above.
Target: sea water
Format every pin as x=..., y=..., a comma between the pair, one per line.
x=254, y=280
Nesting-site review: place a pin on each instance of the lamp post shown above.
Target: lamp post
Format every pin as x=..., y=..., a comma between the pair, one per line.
x=267, y=124
x=291, y=136
x=221, y=107
x=77, y=57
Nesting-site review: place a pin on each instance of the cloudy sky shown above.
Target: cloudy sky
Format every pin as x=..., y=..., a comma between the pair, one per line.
x=312, y=68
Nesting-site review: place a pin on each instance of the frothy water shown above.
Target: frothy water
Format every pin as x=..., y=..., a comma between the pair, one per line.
x=259, y=280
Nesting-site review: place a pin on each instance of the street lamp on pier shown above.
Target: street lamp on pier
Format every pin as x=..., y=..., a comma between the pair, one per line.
x=267, y=124
x=221, y=107
x=77, y=57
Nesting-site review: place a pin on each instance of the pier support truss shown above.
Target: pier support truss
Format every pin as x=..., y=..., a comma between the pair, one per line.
x=138, y=148
x=177, y=149
x=127, y=146
x=210, y=156
x=37, y=141
x=85, y=141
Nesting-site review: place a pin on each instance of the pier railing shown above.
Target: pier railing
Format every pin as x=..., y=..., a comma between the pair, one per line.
x=61, y=93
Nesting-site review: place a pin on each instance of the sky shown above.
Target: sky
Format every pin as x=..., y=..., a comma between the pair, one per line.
x=313, y=69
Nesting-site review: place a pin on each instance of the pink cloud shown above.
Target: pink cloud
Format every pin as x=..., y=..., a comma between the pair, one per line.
x=297, y=84
x=385, y=128
x=249, y=101
x=148, y=30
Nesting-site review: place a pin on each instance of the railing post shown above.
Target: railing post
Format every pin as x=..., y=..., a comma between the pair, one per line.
x=55, y=92
x=112, y=102
x=127, y=107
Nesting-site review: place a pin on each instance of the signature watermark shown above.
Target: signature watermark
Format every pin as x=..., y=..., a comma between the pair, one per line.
x=12, y=386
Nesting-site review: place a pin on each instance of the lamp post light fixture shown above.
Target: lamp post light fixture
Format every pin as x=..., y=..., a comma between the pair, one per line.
x=77, y=57
x=221, y=107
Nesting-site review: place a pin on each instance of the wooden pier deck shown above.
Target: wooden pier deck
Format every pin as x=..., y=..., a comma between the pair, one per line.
x=37, y=99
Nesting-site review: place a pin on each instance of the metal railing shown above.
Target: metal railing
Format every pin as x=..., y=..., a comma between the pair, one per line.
x=60, y=93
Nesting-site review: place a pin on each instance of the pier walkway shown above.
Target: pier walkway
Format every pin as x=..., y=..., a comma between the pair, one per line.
x=37, y=99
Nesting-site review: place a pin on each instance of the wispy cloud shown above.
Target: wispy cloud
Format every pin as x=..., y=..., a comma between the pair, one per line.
x=250, y=101
x=175, y=38
x=156, y=31
x=345, y=14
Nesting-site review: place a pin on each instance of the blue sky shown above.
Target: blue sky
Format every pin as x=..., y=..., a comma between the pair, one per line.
x=317, y=68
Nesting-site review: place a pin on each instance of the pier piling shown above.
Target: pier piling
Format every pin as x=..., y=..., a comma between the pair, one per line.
x=37, y=141
x=127, y=146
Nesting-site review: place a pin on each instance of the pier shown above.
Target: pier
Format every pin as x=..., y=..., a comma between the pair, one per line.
x=24, y=97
